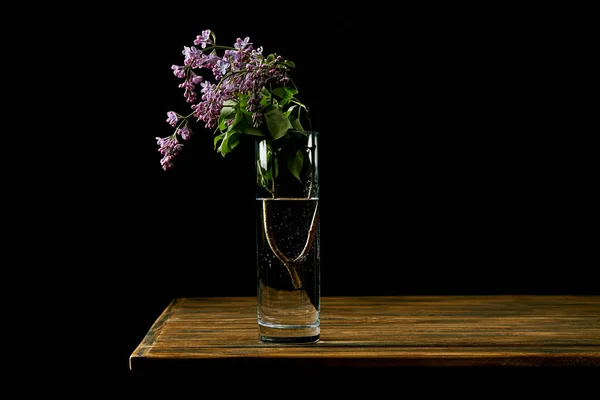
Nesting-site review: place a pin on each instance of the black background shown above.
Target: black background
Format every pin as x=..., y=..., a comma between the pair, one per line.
x=444, y=163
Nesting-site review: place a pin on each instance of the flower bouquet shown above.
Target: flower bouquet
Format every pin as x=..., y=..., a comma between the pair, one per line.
x=240, y=93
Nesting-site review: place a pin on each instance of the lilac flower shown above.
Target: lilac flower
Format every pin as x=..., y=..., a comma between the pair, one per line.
x=209, y=61
x=203, y=39
x=189, y=94
x=169, y=148
x=209, y=109
x=195, y=78
x=172, y=118
x=178, y=71
x=191, y=54
x=206, y=86
x=241, y=44
x=184, y=132
x=221, y=69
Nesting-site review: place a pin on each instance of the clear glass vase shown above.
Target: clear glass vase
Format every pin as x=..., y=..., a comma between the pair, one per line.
x=287, y=238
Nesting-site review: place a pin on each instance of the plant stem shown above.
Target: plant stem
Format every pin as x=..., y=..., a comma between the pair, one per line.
x=290, y=264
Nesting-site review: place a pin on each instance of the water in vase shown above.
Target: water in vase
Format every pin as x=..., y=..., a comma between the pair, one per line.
x=288, y=267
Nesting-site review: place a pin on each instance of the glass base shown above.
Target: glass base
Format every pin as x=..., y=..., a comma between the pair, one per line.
x=288, y=334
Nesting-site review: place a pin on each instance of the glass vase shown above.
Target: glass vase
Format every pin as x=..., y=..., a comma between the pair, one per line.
x=287, y=238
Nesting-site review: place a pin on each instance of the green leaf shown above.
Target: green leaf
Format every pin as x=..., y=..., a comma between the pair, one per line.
x=297, y=125
x=250, y=130
x=227, y=112
x=295, y=163
x=218, y=138
x=277, y=123
x=261, y=176
x=234, y=140
x=285, y=94
x=239, y=116
x=246, y=127
x=266, y=97
x=288, y=112
x=229, y=141
x=275, y=170
x=284, y=91
x=243, y=101
x=289, y=63
x=267, y=167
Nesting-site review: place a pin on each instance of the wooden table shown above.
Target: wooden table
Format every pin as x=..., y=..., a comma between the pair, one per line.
x=383, y=331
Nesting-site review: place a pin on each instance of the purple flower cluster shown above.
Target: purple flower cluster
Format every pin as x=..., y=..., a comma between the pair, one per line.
x=240, y=71
x=169, y=148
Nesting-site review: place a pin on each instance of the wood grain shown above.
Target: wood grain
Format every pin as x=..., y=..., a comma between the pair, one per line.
x=384, y=331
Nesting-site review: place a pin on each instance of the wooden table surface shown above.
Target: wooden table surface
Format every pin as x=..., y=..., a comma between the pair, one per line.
x=383, y=331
